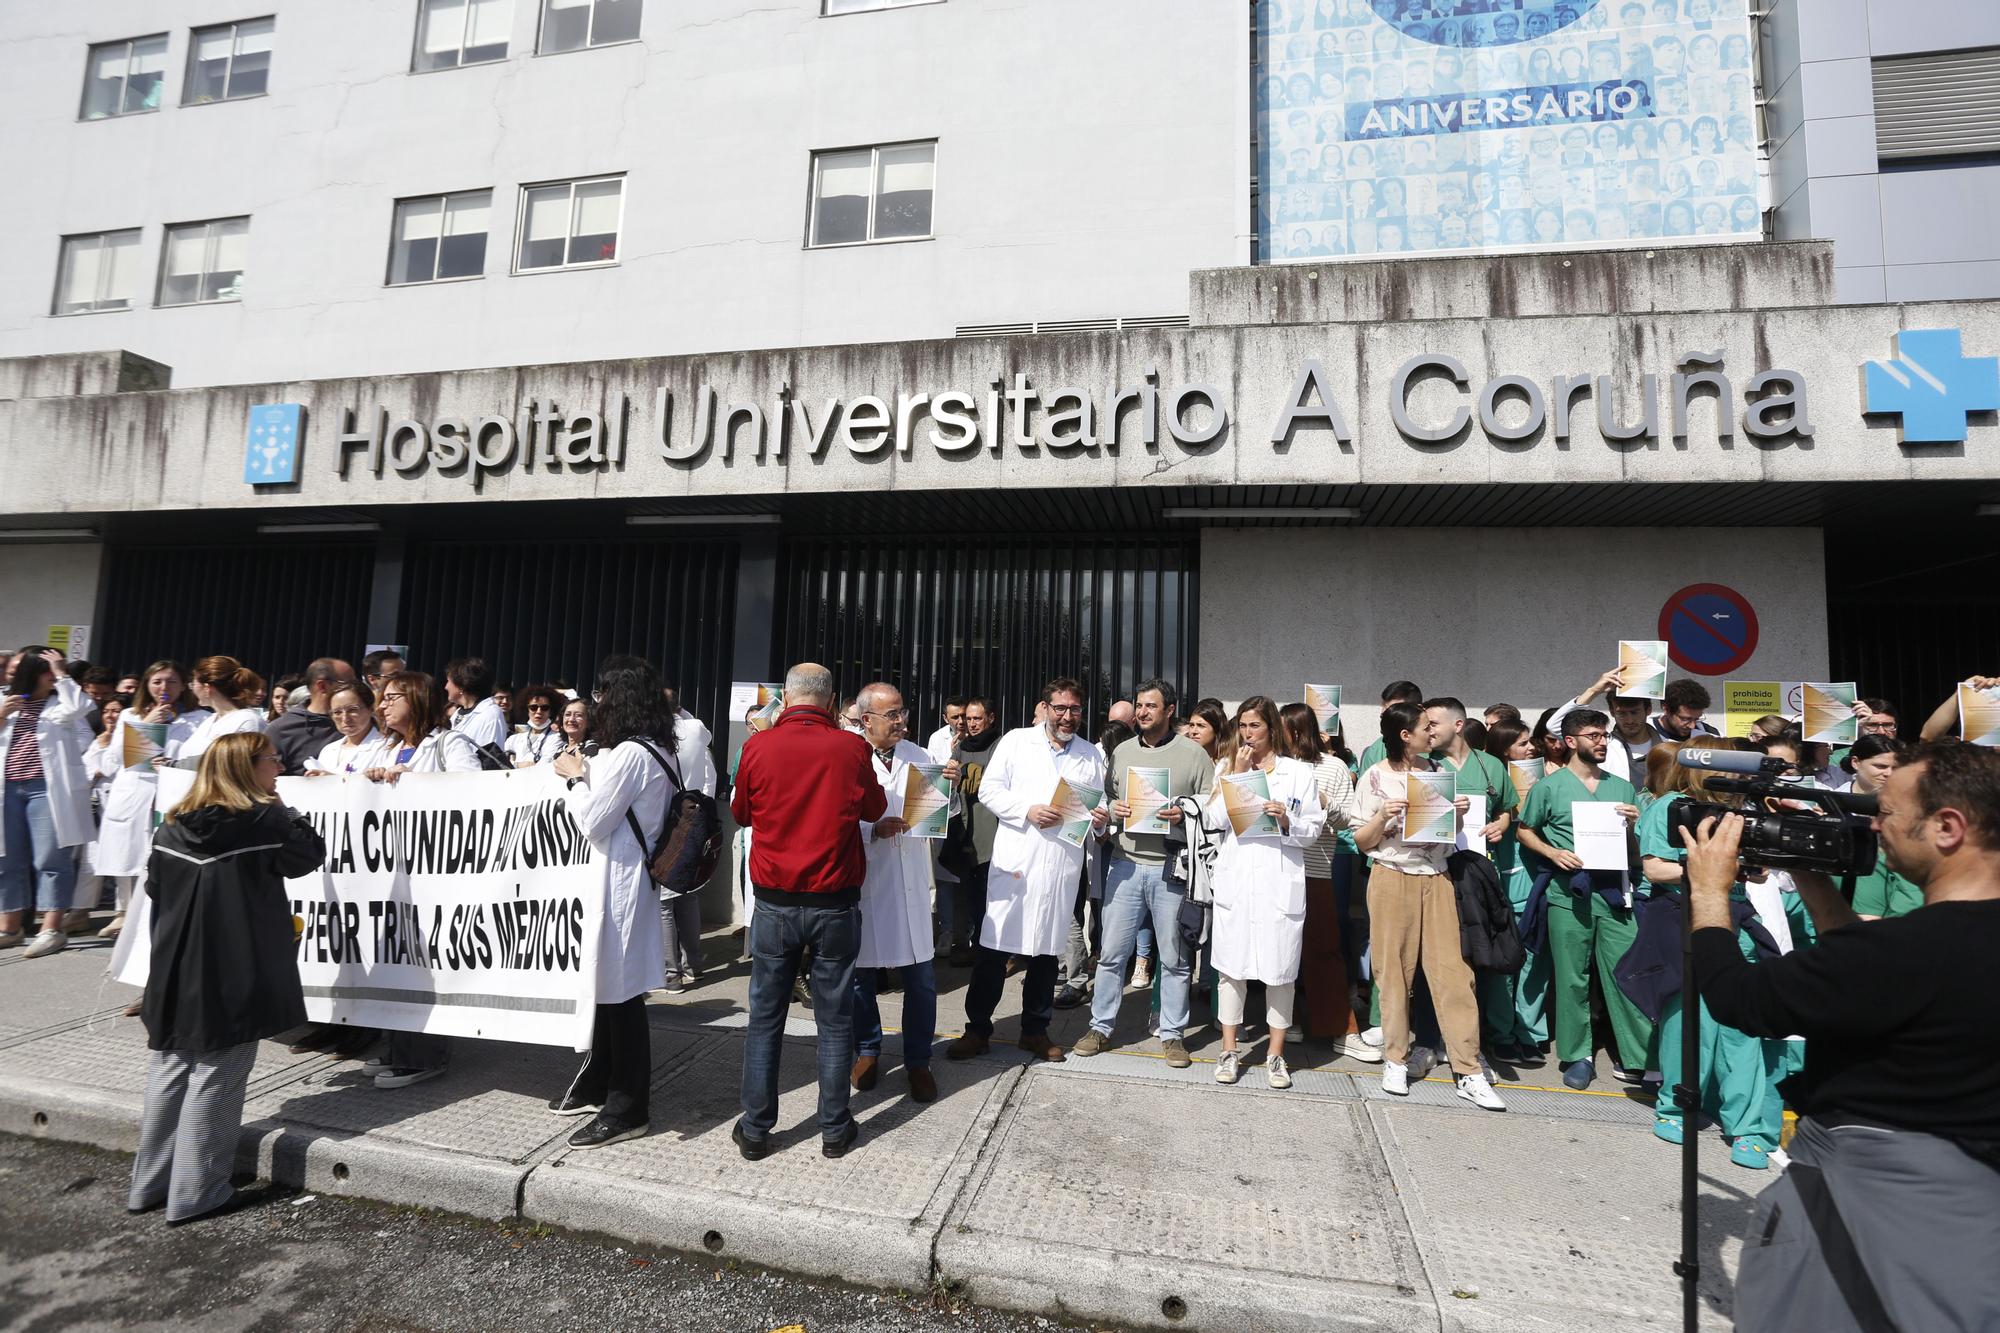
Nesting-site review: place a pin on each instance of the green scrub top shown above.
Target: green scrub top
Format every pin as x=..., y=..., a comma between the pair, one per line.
x=1656, y=840
x=1547, y=810
x=1884, y=893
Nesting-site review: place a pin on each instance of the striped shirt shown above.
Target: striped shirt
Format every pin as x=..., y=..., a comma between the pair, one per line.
x=1336, y=797
x=24, y=755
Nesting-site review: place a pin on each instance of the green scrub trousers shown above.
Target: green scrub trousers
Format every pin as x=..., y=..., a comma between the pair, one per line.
x=1583, y=927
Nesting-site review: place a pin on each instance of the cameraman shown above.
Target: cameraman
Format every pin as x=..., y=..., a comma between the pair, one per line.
x=1889, y=1215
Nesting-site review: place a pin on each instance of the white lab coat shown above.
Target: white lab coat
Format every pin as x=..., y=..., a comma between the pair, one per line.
x=1260, y=883
x=896, y=894
x=125, y=829
x=691, y=748
x=940, y=745
x=213, y=728
x=1032, y=884
x=338, y=757
x=443, y=751
x=537, y=747
x=631, y=951
x=62, y=764
x=483, y=724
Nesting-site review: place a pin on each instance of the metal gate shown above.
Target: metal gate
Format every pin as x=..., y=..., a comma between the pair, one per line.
x=992, y=616
x=274, y=606
x=549, y=610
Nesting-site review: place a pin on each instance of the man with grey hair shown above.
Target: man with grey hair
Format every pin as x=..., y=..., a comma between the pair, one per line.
x=804, y=787
x=895, y=904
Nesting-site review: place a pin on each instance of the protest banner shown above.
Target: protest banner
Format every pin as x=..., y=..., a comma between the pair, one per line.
x=459, y=904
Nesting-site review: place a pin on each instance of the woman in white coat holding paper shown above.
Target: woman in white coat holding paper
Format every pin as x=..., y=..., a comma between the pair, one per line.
x=125, y=832
x=1259, y=884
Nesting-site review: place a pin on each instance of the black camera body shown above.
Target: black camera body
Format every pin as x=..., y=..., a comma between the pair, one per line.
x=1835, y=838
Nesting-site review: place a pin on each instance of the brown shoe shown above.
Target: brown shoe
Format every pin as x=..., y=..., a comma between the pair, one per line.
x=1176, y=1052
x=865, y=1074
x=1092, y=1042
x=964, y=1048
x=923, y=1086
x=1040, y=1047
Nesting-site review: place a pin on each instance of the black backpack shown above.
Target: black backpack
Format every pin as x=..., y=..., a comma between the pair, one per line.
x=690, y=842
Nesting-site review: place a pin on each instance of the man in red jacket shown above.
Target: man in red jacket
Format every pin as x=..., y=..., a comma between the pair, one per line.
x=803, y=789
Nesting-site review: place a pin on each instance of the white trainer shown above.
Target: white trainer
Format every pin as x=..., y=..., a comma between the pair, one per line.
x=1229, y=1068
x=1277, y=1073
x=1396, y=1079
x=46, y=943
x=1355, y=1047
x=1475, y=1089
x=1373, y=1036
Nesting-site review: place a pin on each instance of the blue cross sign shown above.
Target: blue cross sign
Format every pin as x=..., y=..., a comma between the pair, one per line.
x=1932, y=385
x=271, y=451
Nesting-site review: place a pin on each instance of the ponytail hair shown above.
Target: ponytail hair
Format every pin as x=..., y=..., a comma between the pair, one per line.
x=234, y=681
x=1397, y=719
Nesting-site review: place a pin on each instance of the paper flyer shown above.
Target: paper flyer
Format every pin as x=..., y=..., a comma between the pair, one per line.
x=744, y=695
x=926, y=801
x=1526, y=773
x=1243, y=796
x=1471, y=833
x=144, y=742
x=1146, y=791
x=1599, y=833
x=1979, y=715
x=1324, y=700
x=1642, y=668
x=1430, y=815
x=1074, y=801
x=1829, y=714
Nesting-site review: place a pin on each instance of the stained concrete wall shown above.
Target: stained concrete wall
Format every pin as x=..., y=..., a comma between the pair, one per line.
x=44, y=584
x=1527, y=616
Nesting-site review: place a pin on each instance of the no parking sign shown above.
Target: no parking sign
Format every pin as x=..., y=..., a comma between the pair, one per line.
x=1710, y=629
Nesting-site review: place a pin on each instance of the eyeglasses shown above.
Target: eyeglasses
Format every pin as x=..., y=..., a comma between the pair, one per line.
x=392, y=698
x=1066, y=708
x=538, y=708
x=893, y=714
x=1593, y=735
x=269, y=757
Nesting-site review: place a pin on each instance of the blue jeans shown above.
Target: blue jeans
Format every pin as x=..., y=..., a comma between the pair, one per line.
x=779, y=937
x=919, y=1013
x=1134, y=895
x=34, y=866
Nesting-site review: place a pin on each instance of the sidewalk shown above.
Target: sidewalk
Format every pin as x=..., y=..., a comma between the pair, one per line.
x=1109, y=1190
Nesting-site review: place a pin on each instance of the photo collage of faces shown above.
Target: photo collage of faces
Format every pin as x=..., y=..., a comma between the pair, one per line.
x=1667, y=146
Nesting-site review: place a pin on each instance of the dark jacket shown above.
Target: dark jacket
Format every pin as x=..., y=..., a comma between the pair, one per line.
x=299, y=734
x=1650, y=973
x=802, y=789
x=224, y=968
x=1487, y=934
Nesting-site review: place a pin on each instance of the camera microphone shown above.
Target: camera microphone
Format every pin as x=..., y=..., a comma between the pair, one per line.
x=1747, y=762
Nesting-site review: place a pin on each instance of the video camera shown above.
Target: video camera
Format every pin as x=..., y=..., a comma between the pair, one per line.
x=1835, y=839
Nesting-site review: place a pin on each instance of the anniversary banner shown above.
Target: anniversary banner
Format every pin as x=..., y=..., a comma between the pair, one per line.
x=464, y=904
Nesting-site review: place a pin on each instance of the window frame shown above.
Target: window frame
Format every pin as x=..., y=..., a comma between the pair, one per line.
x=521, y=224
x=445, y=197
x=417, y=37
x=62, y=271
x=194, y=48
x=542, y=27
x=875, y=152
x=872, y=7
x=166, y=247
x=125, y=79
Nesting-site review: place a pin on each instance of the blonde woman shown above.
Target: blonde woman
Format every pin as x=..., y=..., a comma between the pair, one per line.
x=223, y=976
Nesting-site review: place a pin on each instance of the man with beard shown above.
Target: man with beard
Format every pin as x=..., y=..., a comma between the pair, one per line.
x=968, y=846
x=1032, y=882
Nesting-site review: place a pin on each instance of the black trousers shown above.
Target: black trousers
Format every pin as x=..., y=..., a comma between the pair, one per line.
x=618, y=1075
x=989, y=980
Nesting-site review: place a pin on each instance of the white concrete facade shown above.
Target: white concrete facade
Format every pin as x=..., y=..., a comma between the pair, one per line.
x=1067, y=185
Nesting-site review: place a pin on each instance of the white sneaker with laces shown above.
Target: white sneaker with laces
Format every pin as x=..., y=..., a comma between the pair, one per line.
x=1396, y=1079
x=1475, y=1089
x=1229, y=1068
x=1373, y=1036
x=1277, y=1074
x=1355, y=1047
x=46, y=943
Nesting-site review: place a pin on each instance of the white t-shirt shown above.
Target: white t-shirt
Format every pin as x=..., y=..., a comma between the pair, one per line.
x=1378, y=785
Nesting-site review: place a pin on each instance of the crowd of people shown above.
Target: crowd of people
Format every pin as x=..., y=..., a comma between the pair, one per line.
x=1311, y=887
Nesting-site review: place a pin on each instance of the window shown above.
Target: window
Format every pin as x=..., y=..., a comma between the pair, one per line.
x=124, y=77
x=440, y=236
x=1937, y=107
x=228, y=61
x=99, y=272
x=451, y=33
x=568, y=25
x=873, y=194
x=570, y=223
x=203, y=261
x=857, y=6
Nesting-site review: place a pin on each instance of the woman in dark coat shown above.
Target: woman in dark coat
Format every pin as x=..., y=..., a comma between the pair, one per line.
x=223, y=972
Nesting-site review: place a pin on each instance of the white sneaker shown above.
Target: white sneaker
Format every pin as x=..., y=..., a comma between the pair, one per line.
x=1475, y=1089
x=1277, y=1074
x=1142, y=974
x=46, y=943
x=1229, y=1068
x=1355, y=1047
x=1373, y=1036
x=1422, y=1061
x=1396, y=1079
